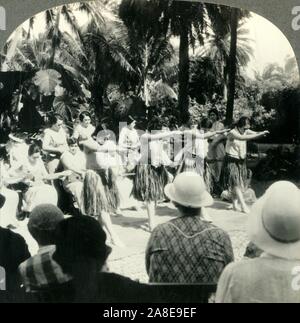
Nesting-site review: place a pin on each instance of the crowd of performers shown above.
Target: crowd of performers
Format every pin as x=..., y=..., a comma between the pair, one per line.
x=101, y=175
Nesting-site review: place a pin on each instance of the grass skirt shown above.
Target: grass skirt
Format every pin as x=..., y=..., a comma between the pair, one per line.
x=199, y=166
x=235, y=174
x=149, y=183
x=111, y=190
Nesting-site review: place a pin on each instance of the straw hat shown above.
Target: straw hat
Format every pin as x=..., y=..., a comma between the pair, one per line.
x=188, y=189
x=274, y=223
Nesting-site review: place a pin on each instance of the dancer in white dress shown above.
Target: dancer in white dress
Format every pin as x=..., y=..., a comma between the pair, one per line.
x=235, y=173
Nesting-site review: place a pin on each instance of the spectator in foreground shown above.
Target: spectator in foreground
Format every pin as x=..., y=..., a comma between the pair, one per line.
x=41, y=271
x=274, y=227
x=188, y=249
x=82, y=252
x=13, y=251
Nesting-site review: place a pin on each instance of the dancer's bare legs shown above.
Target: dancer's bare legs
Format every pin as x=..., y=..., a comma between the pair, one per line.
x=239, y=198
x=151, y=213
x=106, y=220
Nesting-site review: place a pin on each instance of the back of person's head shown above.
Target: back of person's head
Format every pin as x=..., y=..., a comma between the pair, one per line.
x=42, y=224
x=80, y=241
x=185, y=210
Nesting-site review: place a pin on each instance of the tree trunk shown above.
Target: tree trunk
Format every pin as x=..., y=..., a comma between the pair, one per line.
x=55, y=40
x=225, y=85
x=232, y=65
x=146, y=81
x=184, y=72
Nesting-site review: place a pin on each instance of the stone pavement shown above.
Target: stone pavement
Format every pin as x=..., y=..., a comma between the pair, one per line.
x=130, y=261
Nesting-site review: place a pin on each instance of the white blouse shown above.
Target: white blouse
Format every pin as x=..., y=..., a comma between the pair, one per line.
x=236, y=148
x=81, y=132
x=55, y=139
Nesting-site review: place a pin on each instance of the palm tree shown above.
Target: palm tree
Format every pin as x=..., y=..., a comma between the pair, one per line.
x=187, y=20
x=235, y=16
x=190, y=21
x=275, y=76
x=149, y=46
x=217, y=48
x=92, y=55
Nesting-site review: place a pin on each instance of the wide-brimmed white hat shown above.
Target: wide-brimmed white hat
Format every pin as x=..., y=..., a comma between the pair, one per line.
x=188, y=189
x=274, y=223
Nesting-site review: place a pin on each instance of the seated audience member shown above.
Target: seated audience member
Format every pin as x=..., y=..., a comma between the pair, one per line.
x=8, y=218
x=82, y=252
x=13, y=251
x=274, y=227
x=39, y=191
x=41, y=271
x=18, y=151
x=84, y=129
x=188, y=249
x=54, y=142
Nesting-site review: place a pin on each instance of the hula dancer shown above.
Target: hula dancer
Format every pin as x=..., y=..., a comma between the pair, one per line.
x=216, y=151
x=95, y=204
x=192, y=157
x=151, y=174
x=235, y=173
x=96, y=152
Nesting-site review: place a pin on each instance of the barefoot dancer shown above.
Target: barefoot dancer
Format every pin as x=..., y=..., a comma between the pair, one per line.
x=235, y=172
x=151, y=174
x=95, y=204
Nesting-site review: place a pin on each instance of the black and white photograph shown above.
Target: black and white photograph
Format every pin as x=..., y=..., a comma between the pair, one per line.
x=148, y=146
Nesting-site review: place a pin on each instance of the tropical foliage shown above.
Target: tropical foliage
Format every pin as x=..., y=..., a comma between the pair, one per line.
x=152, y=59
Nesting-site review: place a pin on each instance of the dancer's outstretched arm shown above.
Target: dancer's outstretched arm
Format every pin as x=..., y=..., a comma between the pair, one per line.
x=162, y=135
x=245, y=137
x=207, y=135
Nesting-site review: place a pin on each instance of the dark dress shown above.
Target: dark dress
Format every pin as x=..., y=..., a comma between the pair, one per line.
x=13, y=251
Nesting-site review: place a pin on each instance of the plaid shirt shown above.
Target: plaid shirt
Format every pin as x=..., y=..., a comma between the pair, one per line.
x=188, y=250
x=41, y=271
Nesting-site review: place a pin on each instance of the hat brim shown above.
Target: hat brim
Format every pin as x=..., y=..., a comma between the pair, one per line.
x=204, y=200
x=260, y=237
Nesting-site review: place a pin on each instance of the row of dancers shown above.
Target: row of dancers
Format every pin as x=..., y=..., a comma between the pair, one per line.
x=90, y=162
